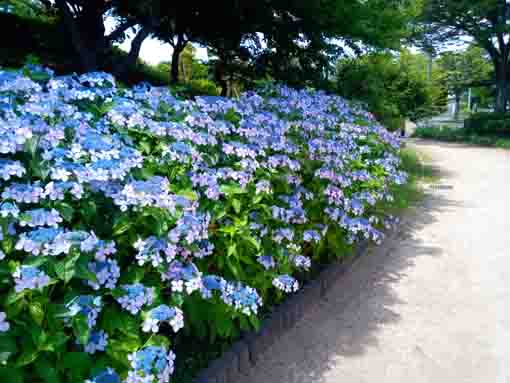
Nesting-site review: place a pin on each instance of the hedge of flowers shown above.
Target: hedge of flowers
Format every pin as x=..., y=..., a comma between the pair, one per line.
x=129, y=215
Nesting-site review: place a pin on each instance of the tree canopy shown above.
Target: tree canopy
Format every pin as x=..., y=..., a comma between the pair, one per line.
x=487, y=22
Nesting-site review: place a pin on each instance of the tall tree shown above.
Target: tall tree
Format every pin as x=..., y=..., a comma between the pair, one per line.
x=84, y=20
x=462, y=70
x=485, y=21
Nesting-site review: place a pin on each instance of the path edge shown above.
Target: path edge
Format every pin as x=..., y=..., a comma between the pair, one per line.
x=244, y=354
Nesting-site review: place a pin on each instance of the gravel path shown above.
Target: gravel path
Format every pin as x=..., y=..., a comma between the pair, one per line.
x=431, y=305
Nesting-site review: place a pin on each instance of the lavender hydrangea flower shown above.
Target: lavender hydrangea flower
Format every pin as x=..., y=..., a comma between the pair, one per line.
x=183, y=277
x=107, y=273
x=150, y=365
x=23, y=193
x=30, y=278
x=311, y=236
x=302, y=262
x=136, y=296
x=242, y=298
x=160, y=314
x=4, y=325
x=45, y=241
x=40, y=217
x=154, y=251
x=9, y=169
x=267, y=261
x=286, y=283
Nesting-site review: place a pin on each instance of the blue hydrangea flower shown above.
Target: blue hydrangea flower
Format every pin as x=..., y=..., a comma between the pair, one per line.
x=163, y=313
x=30, y=278
x=150, y=365
x=267, y=261
x=4, y=325
x=98, y=340
x=242, y=298
x=286, y=283
x=183, y=277
x=9, y=209
x=23, y=193
x=107, y=376
x=88, y=305
x=44, y=241
x=136, y=296
x=40, y=217
x=9, y=169
x=107, y=273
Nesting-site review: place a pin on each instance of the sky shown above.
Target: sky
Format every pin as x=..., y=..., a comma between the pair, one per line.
x=153, y=51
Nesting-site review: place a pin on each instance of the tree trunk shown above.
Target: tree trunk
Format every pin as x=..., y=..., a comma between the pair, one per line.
x=457, y=106
x=502, y=82
x=174, y=70
x=501, y=95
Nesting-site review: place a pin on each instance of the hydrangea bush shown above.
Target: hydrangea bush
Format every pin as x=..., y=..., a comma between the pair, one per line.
x=129, y=215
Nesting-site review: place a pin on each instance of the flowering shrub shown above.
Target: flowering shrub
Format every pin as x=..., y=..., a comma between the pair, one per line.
x=128, y=215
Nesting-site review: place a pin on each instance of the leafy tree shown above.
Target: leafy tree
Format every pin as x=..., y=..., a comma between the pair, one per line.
x=461, y=70
x=486, y=21
x=392, y=86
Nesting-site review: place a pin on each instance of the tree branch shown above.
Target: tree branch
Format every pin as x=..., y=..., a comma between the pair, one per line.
x=117, y=33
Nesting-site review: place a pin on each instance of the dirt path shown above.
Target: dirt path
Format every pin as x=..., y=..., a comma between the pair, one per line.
x=431, y=304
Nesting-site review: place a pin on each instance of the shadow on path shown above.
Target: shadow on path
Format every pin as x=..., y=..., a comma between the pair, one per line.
x=357, y=307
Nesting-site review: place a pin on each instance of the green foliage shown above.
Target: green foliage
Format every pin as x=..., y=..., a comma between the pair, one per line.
x=463, y=136
x=459, y=70
x=488, y=124
x=394, y=88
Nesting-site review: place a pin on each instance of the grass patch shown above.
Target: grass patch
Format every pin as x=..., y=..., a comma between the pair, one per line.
x=408, y=195
x=462, y=136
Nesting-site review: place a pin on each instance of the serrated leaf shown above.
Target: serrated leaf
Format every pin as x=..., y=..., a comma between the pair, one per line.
x=36, y=312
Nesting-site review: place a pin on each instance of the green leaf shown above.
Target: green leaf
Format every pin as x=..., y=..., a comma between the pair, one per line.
x=27, y=357
x=8, y=347
x=232, y=250
x=46, y=371
x=11, y=375
x=122, y=225
x=81, y=329
x=158, y=340
x=189, y=194
x=66, y=211
x=127, y=344
x=65, y=269
x=236, y=204
x=232, y=189
x=78, y=363
x=36, y=312
x=253, y=241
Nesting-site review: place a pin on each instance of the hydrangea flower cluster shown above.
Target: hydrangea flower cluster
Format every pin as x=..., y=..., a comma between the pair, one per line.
x=129, y=202
x=30, y=278
x=4, y=325
x=135, y=297
x=151, y=364
x=286, y=283
x=163, y=313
